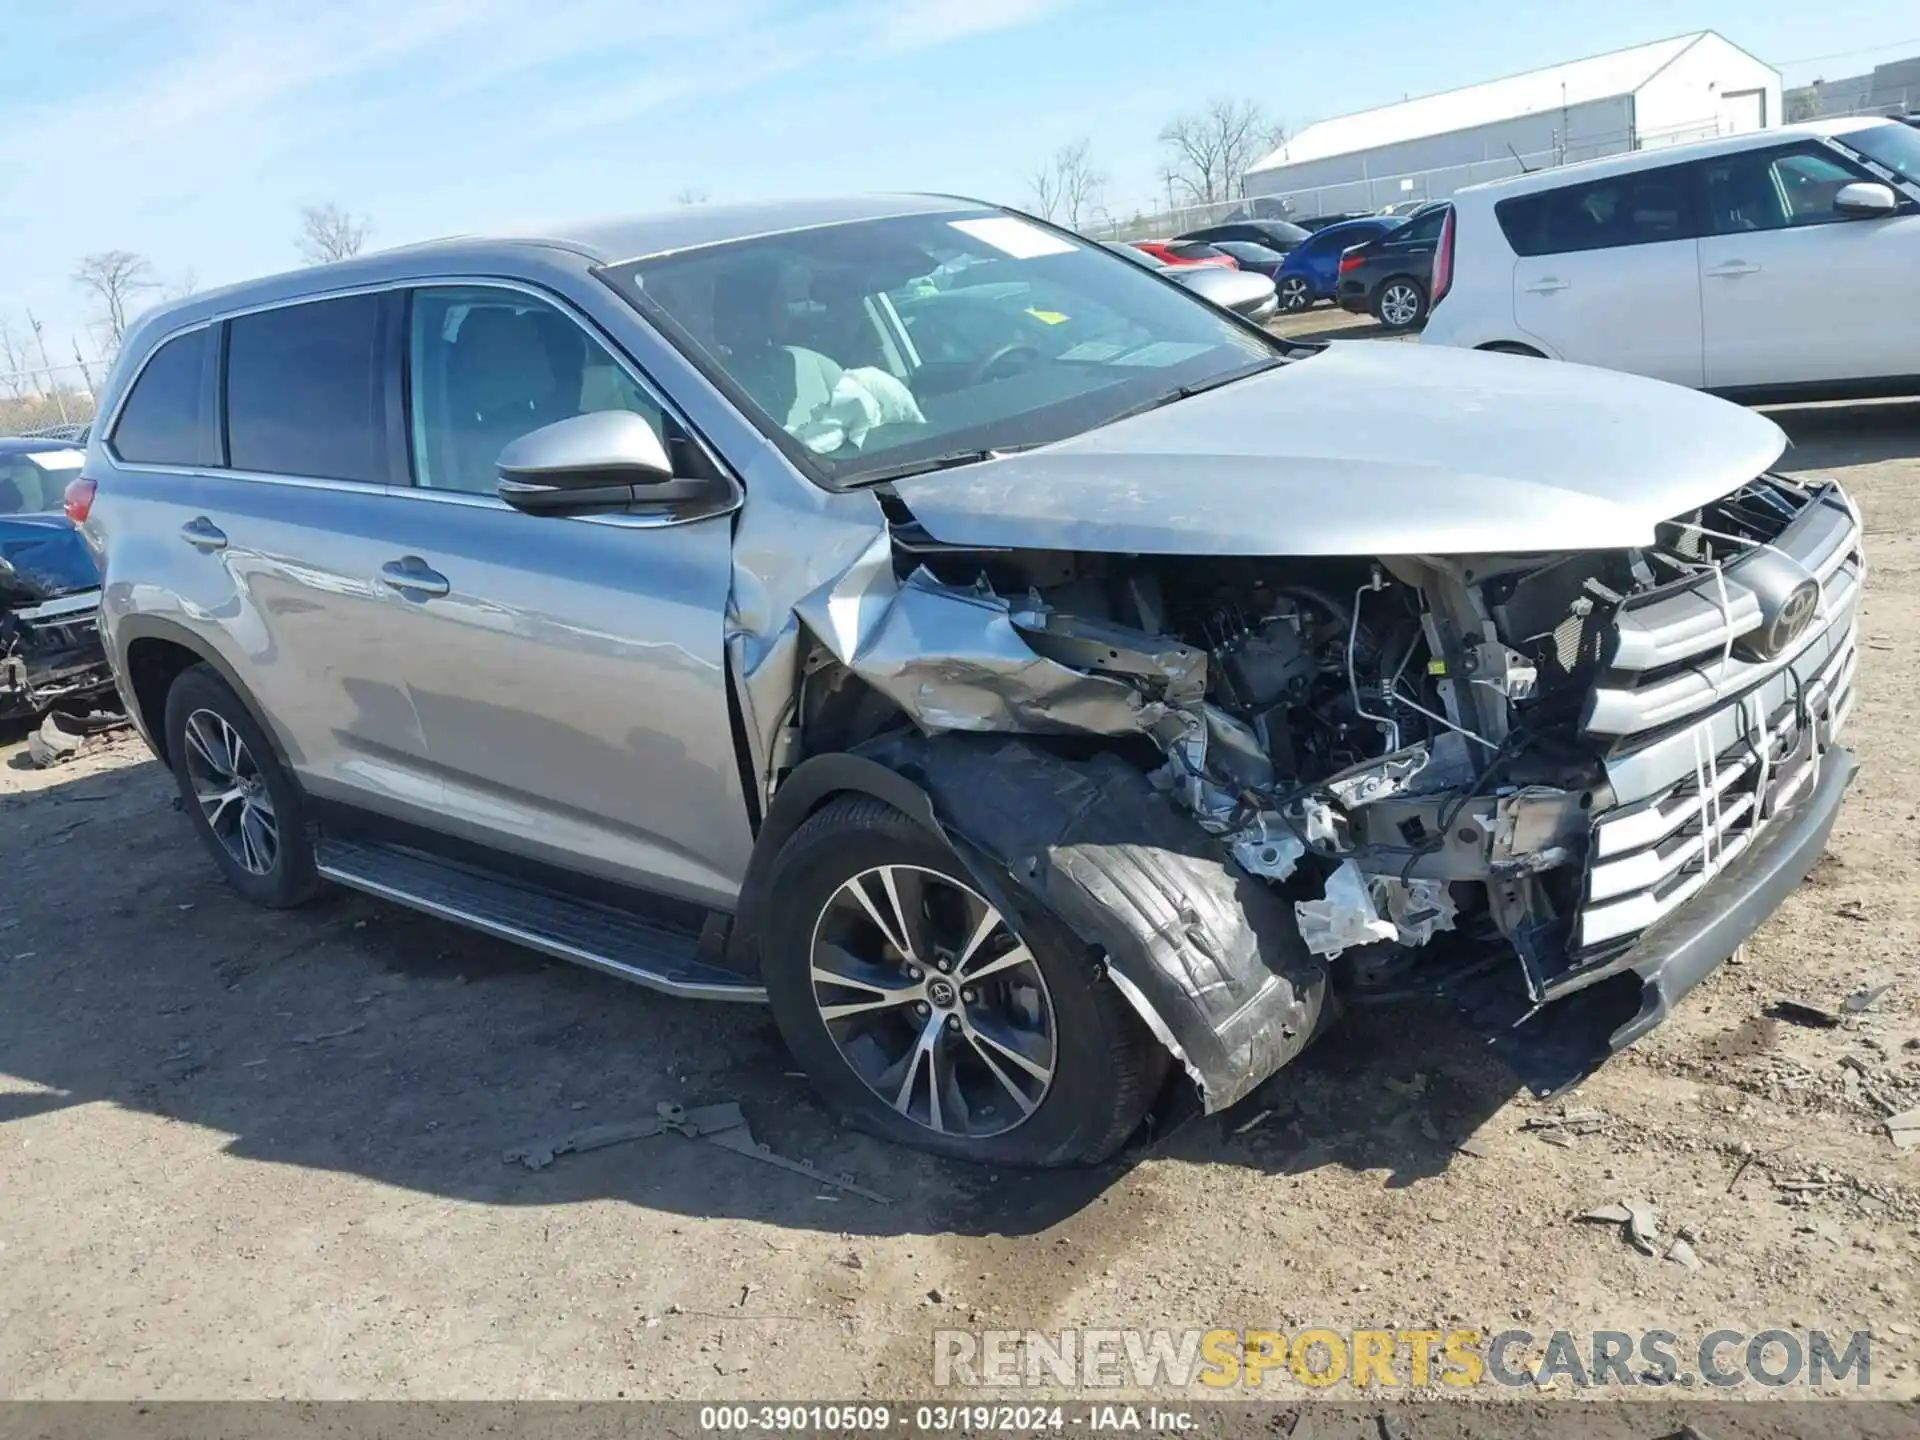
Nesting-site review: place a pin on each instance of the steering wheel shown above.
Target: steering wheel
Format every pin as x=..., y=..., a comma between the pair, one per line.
x=1000, y=365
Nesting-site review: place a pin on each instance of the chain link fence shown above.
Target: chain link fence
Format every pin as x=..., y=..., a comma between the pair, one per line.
x=48, y=396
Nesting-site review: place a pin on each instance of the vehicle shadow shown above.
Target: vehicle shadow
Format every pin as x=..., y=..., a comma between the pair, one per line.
x=359, y=1037
x=1827, y=436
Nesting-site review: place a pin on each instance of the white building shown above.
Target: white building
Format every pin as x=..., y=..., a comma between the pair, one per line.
x=1687, y=88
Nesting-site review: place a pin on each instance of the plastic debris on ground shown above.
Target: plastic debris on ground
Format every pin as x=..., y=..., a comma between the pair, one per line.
x=1642, y=1223
x=60, y=736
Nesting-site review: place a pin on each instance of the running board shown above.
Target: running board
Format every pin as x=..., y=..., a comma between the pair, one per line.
x=615, y=941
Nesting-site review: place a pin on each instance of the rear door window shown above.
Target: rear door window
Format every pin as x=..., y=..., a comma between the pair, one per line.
x=162, y=421
x=305, y=391
x=1640, y=207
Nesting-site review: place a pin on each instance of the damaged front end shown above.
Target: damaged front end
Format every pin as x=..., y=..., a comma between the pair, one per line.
x=50, y=650
x=1556, y=790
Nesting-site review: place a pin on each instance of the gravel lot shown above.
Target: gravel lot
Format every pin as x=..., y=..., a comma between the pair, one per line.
x=249, y=1155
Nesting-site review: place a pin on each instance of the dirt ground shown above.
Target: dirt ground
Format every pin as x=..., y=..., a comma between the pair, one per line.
x=251, y=1155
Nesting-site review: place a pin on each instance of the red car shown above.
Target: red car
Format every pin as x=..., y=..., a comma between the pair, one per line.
x=1187, y=252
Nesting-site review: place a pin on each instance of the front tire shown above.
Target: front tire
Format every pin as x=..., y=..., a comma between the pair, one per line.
x=244, y=805
x=1400, y=304
x=927, y=1017
x=1295, y=295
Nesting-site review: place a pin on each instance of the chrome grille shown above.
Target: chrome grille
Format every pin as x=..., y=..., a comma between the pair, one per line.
x=1706, y=747
x=1674, y=657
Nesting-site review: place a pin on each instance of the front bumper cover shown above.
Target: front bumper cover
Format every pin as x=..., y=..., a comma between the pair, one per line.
x=1690, y=944
x=1565, y=1040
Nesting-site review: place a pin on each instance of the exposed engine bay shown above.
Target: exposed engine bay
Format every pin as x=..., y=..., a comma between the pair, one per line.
x=1409, y=747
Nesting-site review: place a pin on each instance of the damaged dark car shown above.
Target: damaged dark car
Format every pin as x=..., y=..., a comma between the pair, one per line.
x=1038, y=686
x=50, y=653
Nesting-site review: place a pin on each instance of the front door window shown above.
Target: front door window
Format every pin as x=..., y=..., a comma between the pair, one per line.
x=489, y=365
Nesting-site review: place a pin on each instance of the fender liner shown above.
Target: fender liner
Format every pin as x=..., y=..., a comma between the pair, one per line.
x=1209, y=955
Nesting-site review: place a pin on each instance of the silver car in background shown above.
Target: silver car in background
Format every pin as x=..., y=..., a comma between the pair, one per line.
x=1247, y=293
x=1043, y=690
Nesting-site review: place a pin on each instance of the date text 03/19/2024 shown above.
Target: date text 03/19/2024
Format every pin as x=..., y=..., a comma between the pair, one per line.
x=940, y=1419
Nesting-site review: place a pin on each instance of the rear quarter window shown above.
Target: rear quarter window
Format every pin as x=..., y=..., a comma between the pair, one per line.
x=163, y=420
x=1641, y=207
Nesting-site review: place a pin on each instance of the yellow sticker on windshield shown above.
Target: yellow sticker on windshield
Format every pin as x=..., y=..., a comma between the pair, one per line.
x=1049, y=317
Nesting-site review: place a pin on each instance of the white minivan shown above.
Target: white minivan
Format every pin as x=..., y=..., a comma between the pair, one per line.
x=1782, y=263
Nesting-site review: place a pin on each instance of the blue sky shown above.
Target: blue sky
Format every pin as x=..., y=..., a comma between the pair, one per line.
x=191, y=131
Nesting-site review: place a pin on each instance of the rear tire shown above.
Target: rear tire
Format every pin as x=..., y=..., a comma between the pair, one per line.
x=245, y=806
x=1400, y=304
x=917, y=1030
x=1294, y=294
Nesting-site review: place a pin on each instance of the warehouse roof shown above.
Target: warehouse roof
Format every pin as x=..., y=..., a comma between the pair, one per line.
x=1599, y=77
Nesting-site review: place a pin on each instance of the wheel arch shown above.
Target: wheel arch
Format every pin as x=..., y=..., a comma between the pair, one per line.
x=152, y=654
x=814, y=782
x=1222, y=980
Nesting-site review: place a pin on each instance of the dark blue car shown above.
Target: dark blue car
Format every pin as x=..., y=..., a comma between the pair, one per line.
x=49, y=586
x=1312, y=271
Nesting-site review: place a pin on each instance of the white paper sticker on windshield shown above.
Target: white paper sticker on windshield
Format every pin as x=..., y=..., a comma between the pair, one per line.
x=1162, y=353
x=56, y=459
x=1014, y=237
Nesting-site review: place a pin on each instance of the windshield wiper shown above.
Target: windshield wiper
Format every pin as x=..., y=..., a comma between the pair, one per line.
x=949, y=461
x=1199, y=387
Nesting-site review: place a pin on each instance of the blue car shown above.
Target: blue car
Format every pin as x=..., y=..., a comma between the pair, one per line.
x=49, y=586
x=1312, y=271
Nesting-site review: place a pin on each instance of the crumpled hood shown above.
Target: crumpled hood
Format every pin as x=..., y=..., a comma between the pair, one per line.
x=1369, y=448
x=43, y=558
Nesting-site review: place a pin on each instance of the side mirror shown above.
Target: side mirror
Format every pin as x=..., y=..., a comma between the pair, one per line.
x=1866, y=198
x=609, y=460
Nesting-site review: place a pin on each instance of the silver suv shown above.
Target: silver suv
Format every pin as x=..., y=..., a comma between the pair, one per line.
x=1028, y=680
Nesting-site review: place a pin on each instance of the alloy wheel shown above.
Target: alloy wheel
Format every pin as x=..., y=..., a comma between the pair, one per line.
x=1400, y=305
x=231, y=792
x=933, y=1001
x=1293, y=294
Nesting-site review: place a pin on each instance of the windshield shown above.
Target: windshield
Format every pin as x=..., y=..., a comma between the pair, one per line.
x=871, y=346
x=1893, y=145
x=35, y=482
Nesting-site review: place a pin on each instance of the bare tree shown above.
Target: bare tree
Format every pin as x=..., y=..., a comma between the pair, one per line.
x=691, y=195
x=1067, y=188
x=86, y=374
x=1043, y=190
x=328, y=232
x=187, y=284
x=1210, y=152
x=14, y=364
x=114, y=278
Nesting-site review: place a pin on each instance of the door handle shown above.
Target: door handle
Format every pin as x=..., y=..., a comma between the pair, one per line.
x=413, y=577
x=1732, y=268
x=1548, y=285
x=203, y=535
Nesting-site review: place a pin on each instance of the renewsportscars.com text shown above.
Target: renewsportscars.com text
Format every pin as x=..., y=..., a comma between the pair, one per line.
x=1373, y=1359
